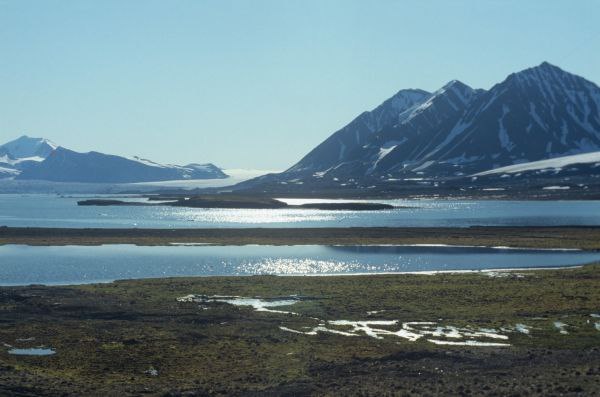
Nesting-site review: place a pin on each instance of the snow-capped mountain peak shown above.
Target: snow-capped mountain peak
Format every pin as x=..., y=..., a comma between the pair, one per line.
x=455, y=94
x=403, y=99
x=28, y=147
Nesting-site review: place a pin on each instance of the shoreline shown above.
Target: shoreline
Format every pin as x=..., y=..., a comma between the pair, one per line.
x=551, y=237
x=507, y=270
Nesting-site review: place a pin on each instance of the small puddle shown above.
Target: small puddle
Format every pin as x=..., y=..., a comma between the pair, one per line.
x=34, y=351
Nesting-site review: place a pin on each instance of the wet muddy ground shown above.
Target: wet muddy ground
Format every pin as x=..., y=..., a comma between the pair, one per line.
x=231, y=335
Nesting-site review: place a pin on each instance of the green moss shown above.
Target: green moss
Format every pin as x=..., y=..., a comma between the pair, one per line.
x=108, y=335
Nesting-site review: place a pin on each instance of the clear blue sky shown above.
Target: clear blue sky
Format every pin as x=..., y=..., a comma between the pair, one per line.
x=257, y=83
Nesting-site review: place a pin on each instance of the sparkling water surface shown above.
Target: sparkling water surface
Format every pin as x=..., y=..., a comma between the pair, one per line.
x=55, y=211
x=21, y=265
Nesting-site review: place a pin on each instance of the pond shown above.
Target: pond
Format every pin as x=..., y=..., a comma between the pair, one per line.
x=21, y=265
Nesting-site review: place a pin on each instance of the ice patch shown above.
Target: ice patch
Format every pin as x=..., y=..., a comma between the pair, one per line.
x=556, y=163
x=259, y=305
x=188, y=244
x=151, y=372
x=504, y=274
x=468, y=343
x=411, y=331
x=561, y=327
x=146, y=162
x=424, y=166
x=384, y=150
x=522, y=328
x=503, y=136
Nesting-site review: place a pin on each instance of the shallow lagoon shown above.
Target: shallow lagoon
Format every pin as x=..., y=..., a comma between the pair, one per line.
x=22, y=265
x=54, y=211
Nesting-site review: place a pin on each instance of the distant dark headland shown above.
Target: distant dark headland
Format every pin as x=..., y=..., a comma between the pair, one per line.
x=242, y=202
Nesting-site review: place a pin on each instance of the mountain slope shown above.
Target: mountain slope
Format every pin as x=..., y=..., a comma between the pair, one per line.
x=536, y=114
x=539, y=113
x=335, y=148
x=400, y=147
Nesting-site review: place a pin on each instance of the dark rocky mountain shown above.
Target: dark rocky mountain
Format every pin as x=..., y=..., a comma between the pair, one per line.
x=539, y=113
x=39, y=159
x=536, y=114
x=335, y=149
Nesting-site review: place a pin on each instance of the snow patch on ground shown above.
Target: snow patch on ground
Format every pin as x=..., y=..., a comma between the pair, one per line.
x=411, y=331
x=561, y=327
x=522, y=328
x=260, y=305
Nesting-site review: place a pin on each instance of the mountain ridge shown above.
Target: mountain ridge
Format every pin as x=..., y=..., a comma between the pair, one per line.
x=537, y=113
x=27, y=158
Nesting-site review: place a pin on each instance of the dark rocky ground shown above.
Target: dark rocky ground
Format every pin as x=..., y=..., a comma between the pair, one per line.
x=233, y=201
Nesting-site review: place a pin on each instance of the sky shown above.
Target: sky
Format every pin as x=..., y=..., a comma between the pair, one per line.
x=257, y=83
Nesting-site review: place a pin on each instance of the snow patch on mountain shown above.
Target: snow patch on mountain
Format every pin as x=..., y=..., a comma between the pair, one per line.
x=8, y=160
x=556, y=163
x=147, y=162
x=8, y=172
x=503, y=136
x=27, y=147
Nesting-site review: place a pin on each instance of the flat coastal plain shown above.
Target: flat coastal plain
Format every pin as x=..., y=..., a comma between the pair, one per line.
x=483, y=333
x=578, y=237
x=512, y=332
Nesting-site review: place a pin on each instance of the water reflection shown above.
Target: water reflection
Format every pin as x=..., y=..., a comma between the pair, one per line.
x=55, y=211
x=77, y=264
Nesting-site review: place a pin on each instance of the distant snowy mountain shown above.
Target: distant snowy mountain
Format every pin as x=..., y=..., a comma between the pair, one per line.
x=39, y=159
x=27, y=148
x=536, y=114
x=23, y=152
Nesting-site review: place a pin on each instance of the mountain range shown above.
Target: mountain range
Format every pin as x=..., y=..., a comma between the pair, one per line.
x=28, y=158
x=453, y=134
x=538, y=127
